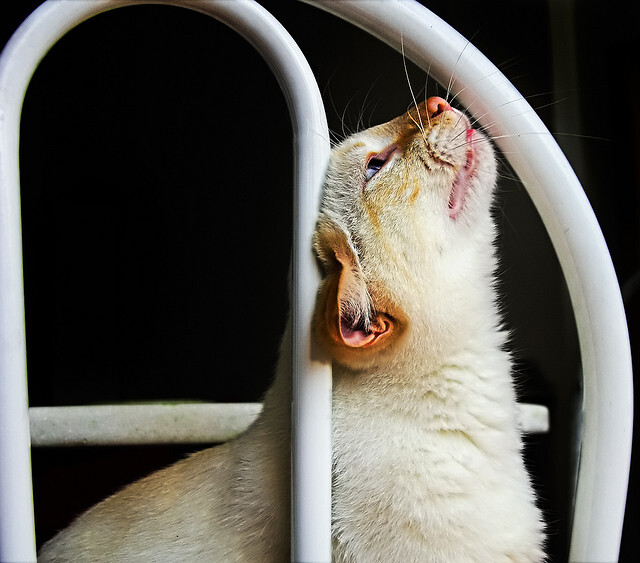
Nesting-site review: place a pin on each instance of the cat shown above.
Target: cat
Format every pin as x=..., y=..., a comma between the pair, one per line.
x=427, y=451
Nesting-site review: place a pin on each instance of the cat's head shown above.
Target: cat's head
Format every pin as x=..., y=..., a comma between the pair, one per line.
x=405, y=216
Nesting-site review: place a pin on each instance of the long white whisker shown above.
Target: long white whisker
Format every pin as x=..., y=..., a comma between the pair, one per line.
x=413, y=97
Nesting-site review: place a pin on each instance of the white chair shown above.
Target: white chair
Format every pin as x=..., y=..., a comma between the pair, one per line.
x=312, y=389
x=605, y=448
x=534, y=155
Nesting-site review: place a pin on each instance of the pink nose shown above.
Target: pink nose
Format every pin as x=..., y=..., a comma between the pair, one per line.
x=436, y=105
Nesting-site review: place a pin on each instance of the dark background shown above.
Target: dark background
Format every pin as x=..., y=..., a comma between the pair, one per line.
x=156, y=190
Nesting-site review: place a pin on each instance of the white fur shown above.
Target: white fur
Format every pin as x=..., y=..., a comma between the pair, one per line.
x=427, y=452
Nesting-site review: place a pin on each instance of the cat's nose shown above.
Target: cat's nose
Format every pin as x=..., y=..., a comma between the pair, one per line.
x=436, y=105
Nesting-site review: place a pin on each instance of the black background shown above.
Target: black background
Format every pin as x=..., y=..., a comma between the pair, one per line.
x=156, y=191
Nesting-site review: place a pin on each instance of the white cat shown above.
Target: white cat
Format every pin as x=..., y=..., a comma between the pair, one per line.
x=427, y=462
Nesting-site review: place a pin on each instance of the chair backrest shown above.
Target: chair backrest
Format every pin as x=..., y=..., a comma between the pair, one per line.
x=312, y=380
x=605, y=448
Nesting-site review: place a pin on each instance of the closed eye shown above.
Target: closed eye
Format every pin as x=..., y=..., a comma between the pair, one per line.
x=376, y=161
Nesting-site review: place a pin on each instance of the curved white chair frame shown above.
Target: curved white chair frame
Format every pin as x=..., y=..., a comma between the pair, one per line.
x=534, y=155
x=312, y=387
x=563, y=206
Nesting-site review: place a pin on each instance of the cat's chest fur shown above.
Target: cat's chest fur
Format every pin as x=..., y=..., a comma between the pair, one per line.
x=420, y=469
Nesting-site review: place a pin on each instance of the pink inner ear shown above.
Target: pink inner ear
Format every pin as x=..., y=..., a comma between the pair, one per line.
x=362, y=338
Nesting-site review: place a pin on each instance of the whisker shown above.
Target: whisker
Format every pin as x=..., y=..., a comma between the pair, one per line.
x=477, y=118
x=349, y=130
x=509, y=177
x=508, y=63
x=582, y=136
x=426, y=84
x=361, y=123
x=406, y=73
x=451, y=76
x=451, y=79
x=333, y=134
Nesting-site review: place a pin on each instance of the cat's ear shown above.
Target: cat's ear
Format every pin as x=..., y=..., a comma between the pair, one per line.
x=349, y=315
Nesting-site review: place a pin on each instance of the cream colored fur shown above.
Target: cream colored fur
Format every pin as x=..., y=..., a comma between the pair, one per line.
x=427, y=450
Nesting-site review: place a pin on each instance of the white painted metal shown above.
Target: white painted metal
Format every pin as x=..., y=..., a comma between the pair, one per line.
x=161, y=423
x=173, y=423
x=533, y=153
x=312, y=387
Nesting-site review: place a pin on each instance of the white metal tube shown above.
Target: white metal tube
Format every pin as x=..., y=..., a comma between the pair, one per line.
x=174, y=423
x=556, y=192
x=312, y=379
x=132, y=424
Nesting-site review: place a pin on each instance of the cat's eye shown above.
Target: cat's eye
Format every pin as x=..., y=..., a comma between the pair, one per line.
x=373, y=166
x=376, y=161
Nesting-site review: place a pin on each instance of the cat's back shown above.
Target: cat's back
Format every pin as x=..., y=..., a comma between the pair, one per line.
x=203, y=508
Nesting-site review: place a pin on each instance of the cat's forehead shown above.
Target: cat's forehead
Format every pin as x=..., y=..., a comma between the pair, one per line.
x=368, y=139
x=356, y=145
